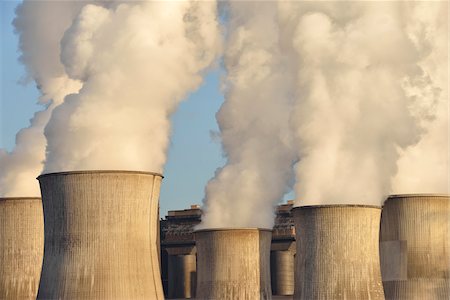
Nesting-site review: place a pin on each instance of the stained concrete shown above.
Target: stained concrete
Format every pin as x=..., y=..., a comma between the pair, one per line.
x=233, y=264
x=282, y=268
x=414, y=247
x=337, y=252
x=21, y=247
x=100, y=235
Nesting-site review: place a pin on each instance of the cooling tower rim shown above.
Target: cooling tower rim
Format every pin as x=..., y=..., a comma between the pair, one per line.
x=233, y=229
x=99, y=172
x=20, y=199
x=417, y=195
x=297, y=208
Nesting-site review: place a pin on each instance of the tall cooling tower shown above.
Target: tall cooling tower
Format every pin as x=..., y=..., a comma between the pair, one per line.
x=100, y=235
x=233, y=264
x=21, y=247
x=414, y=247
x=337, y=252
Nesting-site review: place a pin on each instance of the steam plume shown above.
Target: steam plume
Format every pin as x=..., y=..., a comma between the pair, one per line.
x=355, y=84
x=424, y=167
x=39, y=45
x=363, y=96
x=253, y=122
x=137, y=61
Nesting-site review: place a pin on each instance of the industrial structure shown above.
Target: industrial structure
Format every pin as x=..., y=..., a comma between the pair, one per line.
x=100, y=235
x=414, y=247
x=233, y=263
x=337, y=252
x=178, y=252
x=282, y=252
x=21, y=247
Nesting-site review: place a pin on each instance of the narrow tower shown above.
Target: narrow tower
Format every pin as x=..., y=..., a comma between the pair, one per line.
x=100, y=235
x=337, y=252
x=21, y=247
x=414, y=247
x=233, y=264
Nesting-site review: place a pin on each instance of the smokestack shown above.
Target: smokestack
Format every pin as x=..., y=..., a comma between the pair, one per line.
x=233, y=263
x=21, y=247
x=100, y=235
x=414, y=247
x=337, y=252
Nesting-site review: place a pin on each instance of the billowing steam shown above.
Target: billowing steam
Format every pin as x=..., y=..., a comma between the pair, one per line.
x=363, y=96
x=425, y=167
x=39, y=45
x=368, y=82
x=253, y=122
x=137, y=61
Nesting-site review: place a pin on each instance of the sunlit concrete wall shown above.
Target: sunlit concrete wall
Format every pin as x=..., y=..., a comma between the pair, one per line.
x=337, y=252
x=21, y=247
x=100, y=235
x=233, y=264
x=414, y=247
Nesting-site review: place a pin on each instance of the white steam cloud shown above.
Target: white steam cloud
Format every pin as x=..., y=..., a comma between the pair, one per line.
x=39, y=44
x=363, y=97
x=253, y=122
x=137, y=61
x=425, y=167
x=355, y=85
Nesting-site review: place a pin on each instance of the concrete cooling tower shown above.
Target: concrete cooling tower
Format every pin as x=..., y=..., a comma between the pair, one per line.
x=100, y=235
x=21, y=247
x=233, y=264
x=414, y=247
x=337, y=252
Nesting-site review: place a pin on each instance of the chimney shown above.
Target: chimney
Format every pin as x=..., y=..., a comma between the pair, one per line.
x=414, y=247
x=233, y=263
x=21, y=247
x=337, y=252
x=100, y=235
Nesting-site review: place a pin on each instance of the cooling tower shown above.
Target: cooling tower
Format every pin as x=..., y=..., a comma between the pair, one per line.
x=182, y=275
x=21, y=247
x=414, y=247
x=337, y=252
x=100, y=235
x=233, y=264
x=282, y=268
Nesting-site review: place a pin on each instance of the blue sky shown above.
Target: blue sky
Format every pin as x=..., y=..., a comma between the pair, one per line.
x=193, y=156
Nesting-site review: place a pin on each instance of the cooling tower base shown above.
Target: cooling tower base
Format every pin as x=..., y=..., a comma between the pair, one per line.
x=233, y=264
x=100, y=235
x=21, y=247
x=417, y=289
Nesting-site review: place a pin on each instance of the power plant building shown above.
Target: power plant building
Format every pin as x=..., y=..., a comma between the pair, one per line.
x=178, y=249
x=337, y=252
x=414, y=247
x=21, y=247
x=100, y=235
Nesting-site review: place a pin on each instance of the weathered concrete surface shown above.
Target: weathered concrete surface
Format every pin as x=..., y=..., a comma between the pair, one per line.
x=337, y=252
x=282, y=268
x=233, y=264
x=21, y=247
x=182, y=269
x=414, y=247
x=100, y=235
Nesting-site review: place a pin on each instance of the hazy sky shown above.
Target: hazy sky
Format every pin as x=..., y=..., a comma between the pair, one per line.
x=194, y=153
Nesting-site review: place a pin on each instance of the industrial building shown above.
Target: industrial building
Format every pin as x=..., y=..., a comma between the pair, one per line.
x=178, y=252
x=415, y=247
x=337, y=252
x=21, y=247
x=100, y=235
